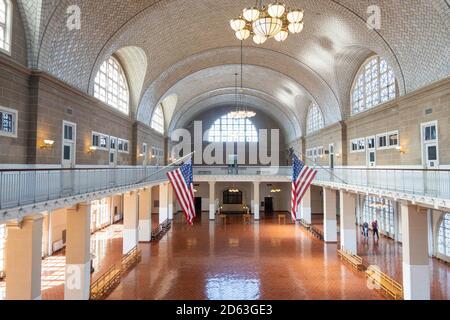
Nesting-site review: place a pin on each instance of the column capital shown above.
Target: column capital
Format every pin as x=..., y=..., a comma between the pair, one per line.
x=19, y=222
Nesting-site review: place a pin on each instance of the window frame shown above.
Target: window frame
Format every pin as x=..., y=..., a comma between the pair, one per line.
x=155, y=125
x=124, y=143
x=100, y=135
x=110, y=92
x=8, y=27
x=221, y=129
x=314, y=119
x=357, y=142
x=387, y=135
x=362, y=73
x=15, y=121
x=442, y=227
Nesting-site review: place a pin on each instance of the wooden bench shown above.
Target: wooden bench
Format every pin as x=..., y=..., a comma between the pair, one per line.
x=247, y=218
x=130, y=259
x=385, y=283
x=354, y=260
x=224, y=218
x=105, y=284
x=316, y=233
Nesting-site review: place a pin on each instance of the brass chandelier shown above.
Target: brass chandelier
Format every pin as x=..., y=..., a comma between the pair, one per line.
x=274, y=21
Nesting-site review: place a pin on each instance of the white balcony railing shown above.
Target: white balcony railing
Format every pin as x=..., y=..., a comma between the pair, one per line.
x=25, y=187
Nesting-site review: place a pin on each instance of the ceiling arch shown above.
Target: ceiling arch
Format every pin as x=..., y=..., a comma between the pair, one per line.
x=413, y=38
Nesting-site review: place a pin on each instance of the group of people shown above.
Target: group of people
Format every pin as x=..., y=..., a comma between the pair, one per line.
x=365, y=230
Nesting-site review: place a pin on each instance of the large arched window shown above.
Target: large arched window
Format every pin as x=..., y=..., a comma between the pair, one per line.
x=229, y=129
x=5, y=25
x=157, y=122
x=374, y=84
x=111, y=85
x=315, y=120
x=444, y=236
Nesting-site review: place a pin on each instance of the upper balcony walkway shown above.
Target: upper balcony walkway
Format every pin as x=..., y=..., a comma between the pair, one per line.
x=28, y=191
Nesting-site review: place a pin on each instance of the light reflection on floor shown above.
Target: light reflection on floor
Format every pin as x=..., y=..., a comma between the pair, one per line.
x=228, y=286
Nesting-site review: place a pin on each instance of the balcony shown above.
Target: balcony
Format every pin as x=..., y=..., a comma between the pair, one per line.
x=35, y=190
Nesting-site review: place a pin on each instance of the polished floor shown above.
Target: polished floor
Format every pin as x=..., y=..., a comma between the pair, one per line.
x=387, y=255
x=238, y=261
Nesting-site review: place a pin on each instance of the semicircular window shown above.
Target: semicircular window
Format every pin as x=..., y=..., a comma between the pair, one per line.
x=110, y=85
x=374, y=84
x=229, y=129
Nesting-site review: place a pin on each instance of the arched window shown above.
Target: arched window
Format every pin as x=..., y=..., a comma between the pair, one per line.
x=374, y=84
x=111, y=85
x=5, y=25
x=315, y=120
x=158, y=119
x=444, y=236
x=229, y=129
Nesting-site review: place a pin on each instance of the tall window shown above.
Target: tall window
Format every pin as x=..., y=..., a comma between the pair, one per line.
x=379, y=209
x=100, y=214
x=374, y=84
x=158, y=119
x=228, y=129
x=315, y=120
x=444, y=236
x=5, y=25
x=111, y=87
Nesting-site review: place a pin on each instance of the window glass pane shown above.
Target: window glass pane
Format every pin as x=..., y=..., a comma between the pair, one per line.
x=111, y=86
x=432, y=153
x=157, y=122
x=315, y=120
x=374, y=84
x=228, y=129
x=67, y=152
x=444, y=236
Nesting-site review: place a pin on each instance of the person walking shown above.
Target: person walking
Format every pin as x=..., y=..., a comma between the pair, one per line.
x=366, y=230
x=375, y=230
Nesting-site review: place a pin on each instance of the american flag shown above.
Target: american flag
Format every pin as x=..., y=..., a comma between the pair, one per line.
x=302, y=177
x=183, y=183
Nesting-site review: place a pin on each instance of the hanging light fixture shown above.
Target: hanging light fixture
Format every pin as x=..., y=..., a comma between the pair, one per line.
x=274, y=21
x=241, y=112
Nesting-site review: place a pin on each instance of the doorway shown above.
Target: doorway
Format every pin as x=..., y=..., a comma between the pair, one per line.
x=331, y=153
x=268, y=206
x=69, y=135
x=113, y=152
x=430, y=144
x=371, y=152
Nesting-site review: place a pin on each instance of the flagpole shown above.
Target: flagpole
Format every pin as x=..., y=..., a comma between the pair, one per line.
x=168, y=166
x=324, y=168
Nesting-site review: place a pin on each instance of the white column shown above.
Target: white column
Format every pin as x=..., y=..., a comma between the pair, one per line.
x=416, y=270
x=130, y=221
x=145, y=215
x=306, y=206
x=78, y=253
x=23, y=259
x=329, y=215
x=256, y=200
x=212, y=200
x=170, y=202
x=348, y=221
x=163, y=202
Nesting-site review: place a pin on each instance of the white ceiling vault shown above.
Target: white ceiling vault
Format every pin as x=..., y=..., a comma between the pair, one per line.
x=186, y=48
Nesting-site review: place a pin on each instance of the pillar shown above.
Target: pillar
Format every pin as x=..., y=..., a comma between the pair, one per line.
x=416, y=270
x=23, y=259
x=170, y=202
x=130, y=221
x=348, y=221
x=78, y=253
x=306, y=206
x=212, y=201
x=163, y=202
x=145, y=215
x=329, y=215
x=256, y=200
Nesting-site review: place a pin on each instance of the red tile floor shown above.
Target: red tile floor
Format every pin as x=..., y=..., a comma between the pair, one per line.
x=387, y=255
x=238, y=261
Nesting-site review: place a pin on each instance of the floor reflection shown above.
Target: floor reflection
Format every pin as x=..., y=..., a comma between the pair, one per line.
x=226, y=286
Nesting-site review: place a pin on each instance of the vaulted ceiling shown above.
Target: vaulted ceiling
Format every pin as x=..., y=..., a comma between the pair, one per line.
x=185, y=48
